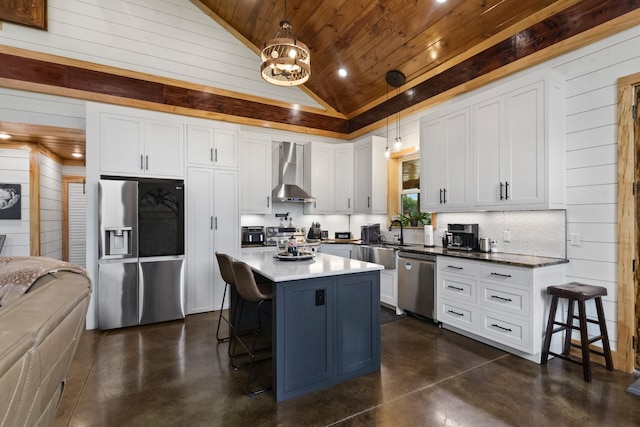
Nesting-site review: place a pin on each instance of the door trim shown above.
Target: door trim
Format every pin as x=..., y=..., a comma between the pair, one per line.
x=627, y=228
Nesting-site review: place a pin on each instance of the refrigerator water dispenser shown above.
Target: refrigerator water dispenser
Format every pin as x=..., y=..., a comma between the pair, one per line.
x=118, y=240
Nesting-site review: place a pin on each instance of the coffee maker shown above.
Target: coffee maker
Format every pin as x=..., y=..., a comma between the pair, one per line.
x=464, y=237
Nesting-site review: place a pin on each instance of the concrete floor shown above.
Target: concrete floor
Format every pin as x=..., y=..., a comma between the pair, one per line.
x=176, y=374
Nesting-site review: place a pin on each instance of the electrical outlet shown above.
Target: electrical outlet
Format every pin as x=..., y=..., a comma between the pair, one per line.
x=506, y=236
x=575, y=239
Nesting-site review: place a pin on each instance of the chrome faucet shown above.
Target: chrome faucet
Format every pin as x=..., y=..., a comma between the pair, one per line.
x=401, y=230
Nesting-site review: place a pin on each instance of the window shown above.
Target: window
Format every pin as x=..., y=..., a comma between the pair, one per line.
x=410, y=185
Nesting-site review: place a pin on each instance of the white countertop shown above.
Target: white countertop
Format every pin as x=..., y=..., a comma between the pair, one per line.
x=321, y=265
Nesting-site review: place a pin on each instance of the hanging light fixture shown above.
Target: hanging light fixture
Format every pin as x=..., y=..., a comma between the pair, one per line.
x=396, y=79
x=285, y=60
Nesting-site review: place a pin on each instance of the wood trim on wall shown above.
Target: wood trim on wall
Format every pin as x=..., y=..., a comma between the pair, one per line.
x=627, y=226
x=66, y=179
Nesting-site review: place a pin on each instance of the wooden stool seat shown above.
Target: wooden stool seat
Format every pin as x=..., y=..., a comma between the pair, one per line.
x=581, y=293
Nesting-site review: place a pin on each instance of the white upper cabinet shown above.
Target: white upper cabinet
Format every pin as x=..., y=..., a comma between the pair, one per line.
x=519, y=149
x=444, y=162
x=137, y=146
x=502, y=149
x=255, y=176
x=212, y=146
x=370, y=176
x=343, y=195
x=319, y=177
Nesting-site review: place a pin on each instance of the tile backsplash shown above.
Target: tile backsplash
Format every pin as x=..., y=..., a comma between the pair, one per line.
x=539, y=233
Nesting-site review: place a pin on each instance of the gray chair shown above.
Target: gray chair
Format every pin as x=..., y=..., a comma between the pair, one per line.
x=250, y=291
x=226, y=271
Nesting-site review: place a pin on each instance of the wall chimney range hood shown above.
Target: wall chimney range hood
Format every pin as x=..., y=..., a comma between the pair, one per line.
x=289, y=164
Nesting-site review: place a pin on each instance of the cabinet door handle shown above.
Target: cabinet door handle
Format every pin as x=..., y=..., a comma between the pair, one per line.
x=495, y=325
x=501, y=186
x=455, y=267
x=506, y=190
x=215, y=156
x=501, y=298
x=215, y=223
x=500, y=274
x=141, y=162
x=368, y=202
x=455, y=287
x=147, y=159
x=211, y=223
x=455, y=312
x=349, y=203
x=268, y=200
x=441, y=195
x=211, y=154
x=445, y=195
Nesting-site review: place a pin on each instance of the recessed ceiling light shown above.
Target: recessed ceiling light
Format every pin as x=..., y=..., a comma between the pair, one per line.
x=4, y=135
x=441, y=1
x=342, y=72
x=76, y=155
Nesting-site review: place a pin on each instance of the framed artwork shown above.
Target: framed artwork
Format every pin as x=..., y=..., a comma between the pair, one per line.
x=32, y=13
x=10, y=205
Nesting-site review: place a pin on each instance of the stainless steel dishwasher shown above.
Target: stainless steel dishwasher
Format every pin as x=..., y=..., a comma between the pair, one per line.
x=416, y=283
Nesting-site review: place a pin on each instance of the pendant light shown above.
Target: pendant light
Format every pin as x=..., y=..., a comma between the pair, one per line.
x=286, y=61
x=396, y=79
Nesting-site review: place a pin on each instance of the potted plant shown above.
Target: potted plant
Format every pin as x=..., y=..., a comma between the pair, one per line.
x=415, y=218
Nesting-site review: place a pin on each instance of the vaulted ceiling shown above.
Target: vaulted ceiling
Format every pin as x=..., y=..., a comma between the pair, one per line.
x=370, y=37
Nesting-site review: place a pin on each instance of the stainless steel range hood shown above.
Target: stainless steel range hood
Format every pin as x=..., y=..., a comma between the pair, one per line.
x=289, y=164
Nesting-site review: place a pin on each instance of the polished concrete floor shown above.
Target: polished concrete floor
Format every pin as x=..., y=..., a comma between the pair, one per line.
x=176, y=374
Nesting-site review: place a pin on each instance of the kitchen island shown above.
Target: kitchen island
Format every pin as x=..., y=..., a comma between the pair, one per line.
x=326, y=320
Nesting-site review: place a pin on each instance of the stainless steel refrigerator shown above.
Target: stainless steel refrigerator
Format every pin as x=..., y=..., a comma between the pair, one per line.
x=141, y=251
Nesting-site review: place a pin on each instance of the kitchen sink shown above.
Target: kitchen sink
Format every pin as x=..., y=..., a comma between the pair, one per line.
x=378, y=253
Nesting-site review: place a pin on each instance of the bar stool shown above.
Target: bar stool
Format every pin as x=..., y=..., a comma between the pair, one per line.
x=577, y=292
x=226, y=271
x=250, y=291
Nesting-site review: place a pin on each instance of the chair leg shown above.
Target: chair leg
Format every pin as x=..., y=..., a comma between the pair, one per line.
x=584, y=341
x=568, y=332
x=220, y=317
x=252, y=354
x=547, y=336
x=603, y=333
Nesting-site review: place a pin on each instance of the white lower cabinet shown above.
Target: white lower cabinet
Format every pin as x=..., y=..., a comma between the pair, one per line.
x=501, y=305
x=389, y=289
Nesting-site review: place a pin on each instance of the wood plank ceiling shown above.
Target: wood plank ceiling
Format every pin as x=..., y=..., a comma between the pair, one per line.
x=370, y=37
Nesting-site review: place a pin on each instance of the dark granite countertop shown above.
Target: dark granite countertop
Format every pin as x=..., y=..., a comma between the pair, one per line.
x=528, y=261
x=498, y=257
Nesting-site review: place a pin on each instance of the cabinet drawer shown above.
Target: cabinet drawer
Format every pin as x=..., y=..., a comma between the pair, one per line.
x=508, y=299
x=456, y=314
x=507, y=330
x=453, y=265
x=511, y=275
x=458, y=288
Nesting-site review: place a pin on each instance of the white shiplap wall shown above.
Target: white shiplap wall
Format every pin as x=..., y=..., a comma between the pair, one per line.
x=14, y=169
x=50, y=208
x=169, y=38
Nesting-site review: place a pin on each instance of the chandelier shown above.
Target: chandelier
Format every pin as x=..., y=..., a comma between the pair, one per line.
x=285, y=60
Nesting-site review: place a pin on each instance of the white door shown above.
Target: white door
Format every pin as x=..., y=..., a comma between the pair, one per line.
x=200, y=258
x=77, y=220
x=226, y=223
